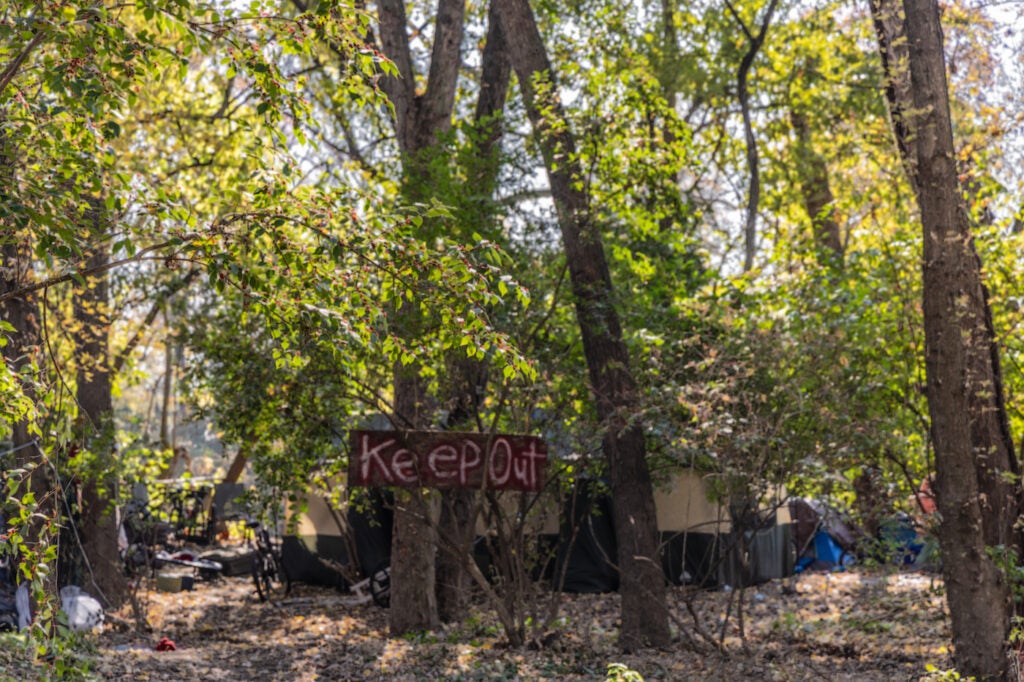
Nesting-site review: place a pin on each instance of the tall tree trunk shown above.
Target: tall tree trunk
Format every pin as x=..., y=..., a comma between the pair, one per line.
x=97, y=524
x=468, y=376
x=166, y=441
x=817, y=192
x=420, y=119
x=642, y=584
x=974, y=455
x=887, y=16
x=16, y=274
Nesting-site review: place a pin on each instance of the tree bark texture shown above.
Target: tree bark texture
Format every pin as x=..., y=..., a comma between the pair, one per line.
x=974, y=454
x=642, y=584
x=458, y=524
x=421, y=118
x=237, y=466
x=97, y=523
x=894, y=51
x=21, y=312
x=166, y=439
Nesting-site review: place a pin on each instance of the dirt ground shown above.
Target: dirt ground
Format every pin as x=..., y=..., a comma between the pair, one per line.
x=834, y=626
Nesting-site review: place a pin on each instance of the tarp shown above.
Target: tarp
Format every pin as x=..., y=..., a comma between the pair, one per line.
x=823, y=539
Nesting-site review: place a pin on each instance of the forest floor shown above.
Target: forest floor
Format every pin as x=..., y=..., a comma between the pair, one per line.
x=855, y=625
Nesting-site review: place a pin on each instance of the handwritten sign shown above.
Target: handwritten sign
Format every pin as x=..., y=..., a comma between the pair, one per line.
x=446, y=459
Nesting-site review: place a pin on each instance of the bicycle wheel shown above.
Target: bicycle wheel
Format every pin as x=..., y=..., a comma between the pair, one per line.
x=268, y=574
x=380, y=585
x=283, y=585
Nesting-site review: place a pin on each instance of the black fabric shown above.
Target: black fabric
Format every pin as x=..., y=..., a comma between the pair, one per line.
x=690, y=558
x=547, y=552
x=309, y=559
x=588, y=559
x=8, y=604
x=371, y=520
x=540, y=557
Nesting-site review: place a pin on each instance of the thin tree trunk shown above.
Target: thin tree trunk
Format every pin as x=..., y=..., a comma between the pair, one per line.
x=20, y=309
x=642, y=584
x=21, y=312
x=166, y=441
x=755, y=42
x=974, y=455
x=97, y=523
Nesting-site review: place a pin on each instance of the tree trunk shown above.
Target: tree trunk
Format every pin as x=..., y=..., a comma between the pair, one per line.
x=458, y=525
x=237, y=467
x=974, y=455
x=887, y=16
x=642, y=584
x=97, y=524
x=817, y=192
x=413, y=543
x=166, y=441
x=21, y=313
x=468, y=376
x=420, y=119
x=755, y=42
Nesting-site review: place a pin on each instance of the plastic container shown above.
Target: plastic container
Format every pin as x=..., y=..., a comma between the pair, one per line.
x=169, y=582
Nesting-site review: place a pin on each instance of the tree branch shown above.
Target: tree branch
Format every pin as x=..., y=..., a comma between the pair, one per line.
x=12, y=69
x=174, y=288
x=437, y=102
x=85, y=272
x=754, y=192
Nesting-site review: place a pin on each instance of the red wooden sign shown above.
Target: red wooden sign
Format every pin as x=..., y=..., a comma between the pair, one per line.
x=446, y=459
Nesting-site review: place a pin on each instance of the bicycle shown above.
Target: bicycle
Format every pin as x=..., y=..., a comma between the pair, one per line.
x=268, y=572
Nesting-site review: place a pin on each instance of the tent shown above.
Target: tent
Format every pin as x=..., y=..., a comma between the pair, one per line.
x=703, y=544
x=321, y=540
x=705, y=541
